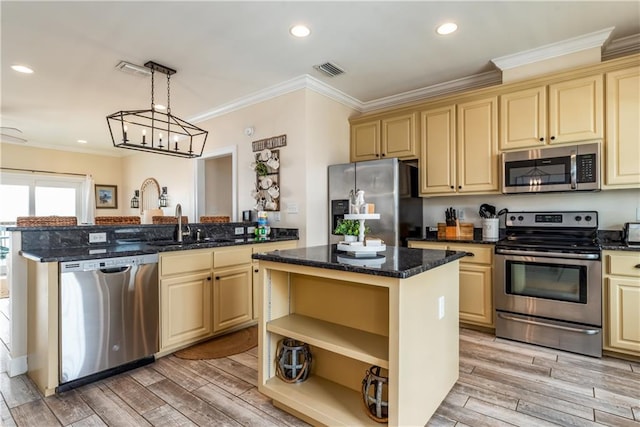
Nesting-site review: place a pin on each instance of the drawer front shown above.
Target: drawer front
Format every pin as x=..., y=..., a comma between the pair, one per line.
x=624, y=264
x=482, y=254
x=231, y=256
x=269, y=247
x=185, y=262
x=428, y=245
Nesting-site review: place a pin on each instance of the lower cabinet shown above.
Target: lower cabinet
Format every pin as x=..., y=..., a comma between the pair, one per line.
x=232, y=297
x=476, y=271
x=185, y=297
x=621, y=299
x=205, y=292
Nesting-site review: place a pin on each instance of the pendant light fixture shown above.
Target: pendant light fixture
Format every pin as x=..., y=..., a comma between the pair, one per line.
x=156, y=131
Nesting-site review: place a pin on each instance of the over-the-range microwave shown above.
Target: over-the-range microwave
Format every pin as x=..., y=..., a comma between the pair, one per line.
x=566, y=168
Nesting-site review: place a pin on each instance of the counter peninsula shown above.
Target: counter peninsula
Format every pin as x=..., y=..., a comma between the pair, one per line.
x=398, y=311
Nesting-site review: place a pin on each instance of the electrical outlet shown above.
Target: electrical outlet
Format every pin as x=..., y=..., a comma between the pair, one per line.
x=276, y=216
x=292, y=208
x=251, y=230
x=440, y=307
x=97, y=237
x=239, y=230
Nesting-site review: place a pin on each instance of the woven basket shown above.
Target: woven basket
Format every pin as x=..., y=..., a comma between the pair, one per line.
x=168, y=220
x=39, y=221
x=209, y=219
x=116, y=220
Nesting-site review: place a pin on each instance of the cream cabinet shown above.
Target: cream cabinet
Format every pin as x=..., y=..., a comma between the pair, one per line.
x=476, y=289
x=393, y=136
x=459, y=146
x=567, y=111
x=621, y=302
x=623, y=130
x=185, y=297
x=232, y=287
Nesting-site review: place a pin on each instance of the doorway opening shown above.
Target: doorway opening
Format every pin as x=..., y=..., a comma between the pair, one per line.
x=216, y=176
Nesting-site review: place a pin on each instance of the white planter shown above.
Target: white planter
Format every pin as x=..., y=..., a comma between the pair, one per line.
x=348, y=238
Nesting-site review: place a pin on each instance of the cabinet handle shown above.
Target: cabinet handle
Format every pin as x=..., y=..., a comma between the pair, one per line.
x=553, y=137
x=471, y=254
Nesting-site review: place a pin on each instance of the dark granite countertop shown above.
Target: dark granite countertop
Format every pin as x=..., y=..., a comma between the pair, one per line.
x=62, y=254
x=432, y=236
x=395, y=261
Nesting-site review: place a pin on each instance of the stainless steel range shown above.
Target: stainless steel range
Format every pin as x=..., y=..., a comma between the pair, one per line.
x=548, y=281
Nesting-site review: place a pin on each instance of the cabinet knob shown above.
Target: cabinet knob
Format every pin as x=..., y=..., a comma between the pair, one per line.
x=256, y=270
x=209, y=278
x=553, y=137
x=637, y=266
x=383, y=154
x=541, y=139
x=217, y=277
x=459, y=187
x=452, y=187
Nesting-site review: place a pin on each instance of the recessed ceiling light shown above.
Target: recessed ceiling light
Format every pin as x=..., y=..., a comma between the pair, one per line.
x=22, y=69
x=300, y=31
x=446, y=28
x=82, y=141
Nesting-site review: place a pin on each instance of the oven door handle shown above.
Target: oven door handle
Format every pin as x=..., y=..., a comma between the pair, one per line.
x=549, y=325
x=502, y=251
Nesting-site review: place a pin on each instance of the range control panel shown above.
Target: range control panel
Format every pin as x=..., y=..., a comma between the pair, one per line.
x=574, y=219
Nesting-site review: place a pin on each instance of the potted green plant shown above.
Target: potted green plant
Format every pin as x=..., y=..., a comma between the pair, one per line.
x=350, y=229
x=261, y=169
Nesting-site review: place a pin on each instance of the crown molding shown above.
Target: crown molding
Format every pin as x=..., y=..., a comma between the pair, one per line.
x=554, y=50
x=621, y=47
x=475, y=81
x=297, y=83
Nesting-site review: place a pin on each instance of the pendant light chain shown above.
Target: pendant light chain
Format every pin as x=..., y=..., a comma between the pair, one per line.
x=168, y=94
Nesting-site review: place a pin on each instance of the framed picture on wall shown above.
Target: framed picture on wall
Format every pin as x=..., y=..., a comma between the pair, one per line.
x=106, y=196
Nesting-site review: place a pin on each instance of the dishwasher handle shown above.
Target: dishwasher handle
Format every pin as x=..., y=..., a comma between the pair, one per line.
x=114, y=270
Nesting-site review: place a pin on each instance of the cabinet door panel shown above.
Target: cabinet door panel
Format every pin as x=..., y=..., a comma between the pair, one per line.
x=523, y=118
x=477, y=149
x=576, y=110
x=623, y=130
x=365, y=141
x=437, y=159
x=476, y=298
x=185, y=309
x=623, y=314
x=399, y=136
x=232, y=297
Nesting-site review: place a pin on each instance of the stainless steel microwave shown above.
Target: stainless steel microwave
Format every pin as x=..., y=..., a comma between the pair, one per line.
x=549, y=169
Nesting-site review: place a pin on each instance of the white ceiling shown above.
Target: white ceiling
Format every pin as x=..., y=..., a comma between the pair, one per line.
x=227, y=51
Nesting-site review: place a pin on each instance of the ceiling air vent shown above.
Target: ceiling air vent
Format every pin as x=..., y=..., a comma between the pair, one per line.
x=329, y=69
x=129, y=68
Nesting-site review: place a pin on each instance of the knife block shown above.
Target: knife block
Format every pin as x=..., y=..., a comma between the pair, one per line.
x=461, y=231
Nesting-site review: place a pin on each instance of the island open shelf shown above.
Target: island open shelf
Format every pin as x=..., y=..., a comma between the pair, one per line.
x=352, y=321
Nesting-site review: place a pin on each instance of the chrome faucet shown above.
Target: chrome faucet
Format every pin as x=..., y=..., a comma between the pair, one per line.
x=179, y=232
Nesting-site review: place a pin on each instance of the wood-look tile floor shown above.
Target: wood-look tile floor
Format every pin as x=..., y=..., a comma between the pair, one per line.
x=502, y=383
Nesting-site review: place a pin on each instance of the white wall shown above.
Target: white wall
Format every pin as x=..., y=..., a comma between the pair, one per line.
x=615, y=207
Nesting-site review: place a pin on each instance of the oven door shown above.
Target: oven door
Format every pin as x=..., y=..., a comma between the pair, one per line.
x=548, y=286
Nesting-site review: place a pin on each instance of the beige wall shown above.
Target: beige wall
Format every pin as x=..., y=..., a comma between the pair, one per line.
x=105, y=169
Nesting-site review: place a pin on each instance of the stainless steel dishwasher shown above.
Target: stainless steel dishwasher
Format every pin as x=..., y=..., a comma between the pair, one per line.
x=109, y=319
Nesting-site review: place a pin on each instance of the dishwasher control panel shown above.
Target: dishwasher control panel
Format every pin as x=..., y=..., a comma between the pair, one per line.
x=100, y=263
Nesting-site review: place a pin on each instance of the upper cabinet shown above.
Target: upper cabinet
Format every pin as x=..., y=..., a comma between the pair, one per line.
x=573, y=111
x=392, y=136
x=623, y=131
x=459, y=146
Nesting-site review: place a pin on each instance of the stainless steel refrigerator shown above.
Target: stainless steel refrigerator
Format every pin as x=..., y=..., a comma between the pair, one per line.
x=390, y=184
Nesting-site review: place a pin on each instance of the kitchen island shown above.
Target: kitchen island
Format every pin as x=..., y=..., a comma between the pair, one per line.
x=398, y=311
